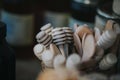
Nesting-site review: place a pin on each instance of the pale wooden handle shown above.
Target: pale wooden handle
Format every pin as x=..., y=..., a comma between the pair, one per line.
x=61, y=47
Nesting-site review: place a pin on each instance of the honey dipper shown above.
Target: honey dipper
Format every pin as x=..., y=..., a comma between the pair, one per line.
x=69, y=35
x=107, y=39
x=73, y=61
x=44, y=38
x=59, y=38
x=47, y=28
x=38, y=50
x=108, y=61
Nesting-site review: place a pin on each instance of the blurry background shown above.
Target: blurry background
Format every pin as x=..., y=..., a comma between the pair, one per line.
x=25, y=17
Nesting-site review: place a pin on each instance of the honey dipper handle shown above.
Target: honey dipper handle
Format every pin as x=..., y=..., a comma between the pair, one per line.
x=66, y=50
x=61, y=47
